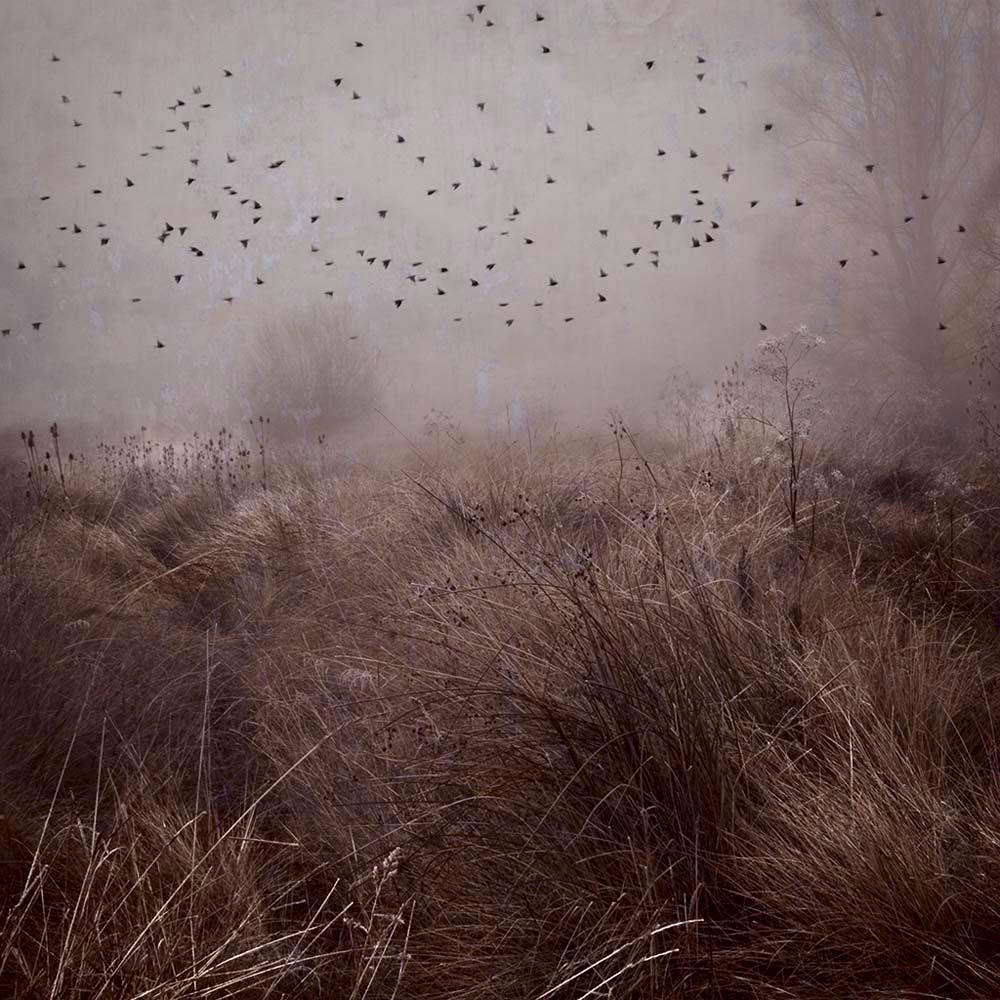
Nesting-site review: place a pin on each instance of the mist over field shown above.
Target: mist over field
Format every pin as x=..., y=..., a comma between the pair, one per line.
x=500, y=500
x=421, y=72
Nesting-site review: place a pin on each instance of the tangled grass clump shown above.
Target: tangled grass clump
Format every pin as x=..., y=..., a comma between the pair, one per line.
x=558, y=722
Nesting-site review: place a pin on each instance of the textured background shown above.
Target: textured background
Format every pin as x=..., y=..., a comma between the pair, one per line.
x=423, y=67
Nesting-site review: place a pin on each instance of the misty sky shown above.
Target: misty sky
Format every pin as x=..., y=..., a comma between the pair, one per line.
x=423, y=67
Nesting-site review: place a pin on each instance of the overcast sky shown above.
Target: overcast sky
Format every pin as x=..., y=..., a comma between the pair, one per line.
x=420, y=72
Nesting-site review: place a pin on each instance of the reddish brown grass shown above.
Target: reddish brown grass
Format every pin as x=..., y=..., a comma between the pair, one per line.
x=565, y=723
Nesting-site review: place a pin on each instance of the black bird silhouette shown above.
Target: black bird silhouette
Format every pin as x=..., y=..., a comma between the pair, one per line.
x=763, y=326
x=768, y=126
x=650, y=63
x=21, y=266
x=60, y=265
x=799, y=202
x=228, y=299
x=753, y=204
x=214, y=213
x=695, y=243
x=355, y=96
x=226, y=73
x=5, y=332
x=177, y=278
x=245, y=243
x=676, y=218
x=260, y=281
x=476, y=163
x=702, y=111
x=359, y=45
x=399, y=138
x=129, y=183
x=843, y=262
x=481, y=105
x=160, y=344
x=398, y=302
x=546, y=50
x=874, y=253
x=382, y=213
x=55, y=58
x=870, y=167
x=941, y=326
x=590, y=128
x=117, y=93
x=275, y=165
x=36, y=326
x=961, y=228
x=601, y=298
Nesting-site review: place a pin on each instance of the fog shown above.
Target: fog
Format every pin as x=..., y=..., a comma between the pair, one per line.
x=584, y=137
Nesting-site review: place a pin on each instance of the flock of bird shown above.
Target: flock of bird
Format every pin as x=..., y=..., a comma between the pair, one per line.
x=412, y=276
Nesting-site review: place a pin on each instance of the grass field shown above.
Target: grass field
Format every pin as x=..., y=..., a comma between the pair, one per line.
x=579, y=718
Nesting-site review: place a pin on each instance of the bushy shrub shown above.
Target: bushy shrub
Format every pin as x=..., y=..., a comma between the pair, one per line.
x=313, y=374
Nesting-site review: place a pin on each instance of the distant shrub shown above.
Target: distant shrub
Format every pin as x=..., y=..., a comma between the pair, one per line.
x=313, y=375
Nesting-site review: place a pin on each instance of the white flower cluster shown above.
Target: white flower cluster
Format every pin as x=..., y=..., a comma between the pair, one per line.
x=387, y=867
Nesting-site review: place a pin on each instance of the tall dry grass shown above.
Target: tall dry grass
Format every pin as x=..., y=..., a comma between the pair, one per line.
x=579, y=720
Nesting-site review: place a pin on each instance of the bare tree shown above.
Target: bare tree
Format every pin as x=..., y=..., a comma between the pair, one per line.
x=899, y=118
